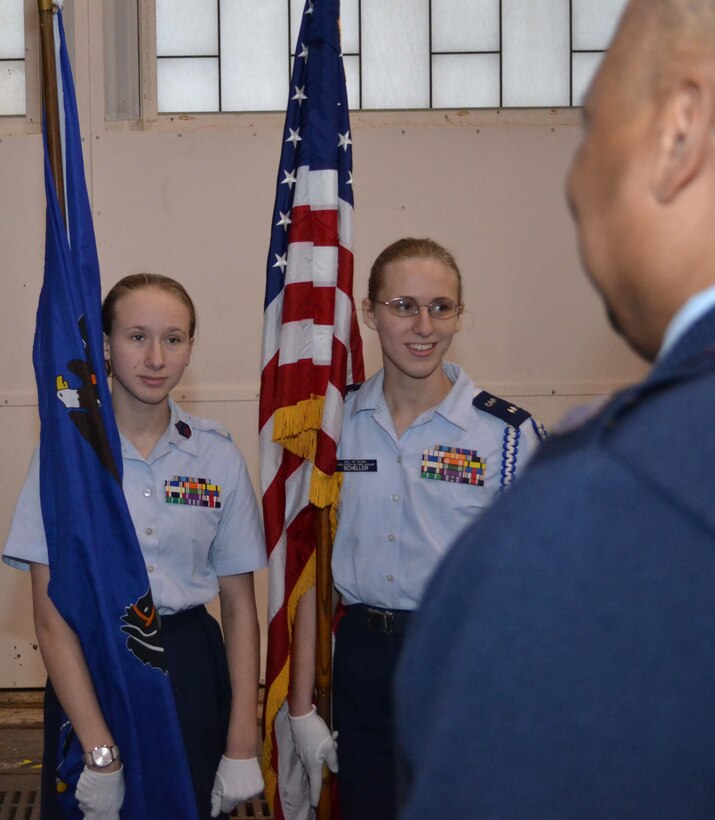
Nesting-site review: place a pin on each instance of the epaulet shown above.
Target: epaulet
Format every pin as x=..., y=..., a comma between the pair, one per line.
x=351, y=388
x=502, y=409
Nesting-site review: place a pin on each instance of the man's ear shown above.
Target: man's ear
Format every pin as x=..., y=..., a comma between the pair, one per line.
x=686, y=137
x=105, y=340
x=368, y=312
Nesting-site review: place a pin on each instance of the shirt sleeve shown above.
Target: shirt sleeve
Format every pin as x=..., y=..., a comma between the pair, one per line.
x=26, y=540
x=239, y=545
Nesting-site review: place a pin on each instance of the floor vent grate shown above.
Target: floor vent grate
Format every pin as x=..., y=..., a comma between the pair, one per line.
x=256, y=809
x=19, y=805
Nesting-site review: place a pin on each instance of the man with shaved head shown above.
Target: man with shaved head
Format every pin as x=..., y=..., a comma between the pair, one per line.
x=563, y=663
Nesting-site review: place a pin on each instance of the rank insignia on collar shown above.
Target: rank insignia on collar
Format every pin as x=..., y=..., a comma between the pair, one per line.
x=443, y=463
x=183, y=428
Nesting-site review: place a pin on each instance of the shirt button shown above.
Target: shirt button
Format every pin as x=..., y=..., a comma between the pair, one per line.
x=390, y=578
x=399, y=459
x=390, y=537
x=148, y=530
x=150, y=568
x=395, y=497
x=147, y=492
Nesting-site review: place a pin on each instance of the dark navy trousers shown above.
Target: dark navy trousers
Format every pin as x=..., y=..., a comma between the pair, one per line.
x=196, y=660
x=363, y=713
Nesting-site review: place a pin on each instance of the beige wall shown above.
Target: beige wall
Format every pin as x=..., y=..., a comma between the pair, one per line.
x=193, y=198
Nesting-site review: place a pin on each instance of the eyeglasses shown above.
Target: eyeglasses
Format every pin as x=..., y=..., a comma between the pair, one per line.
x=409, y=306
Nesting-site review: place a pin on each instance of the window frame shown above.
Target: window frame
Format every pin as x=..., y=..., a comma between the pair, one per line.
x=84, y=21
x=31, y=121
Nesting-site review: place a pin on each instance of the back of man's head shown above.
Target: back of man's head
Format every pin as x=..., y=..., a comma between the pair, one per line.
x=673, y=33
x=642, y=185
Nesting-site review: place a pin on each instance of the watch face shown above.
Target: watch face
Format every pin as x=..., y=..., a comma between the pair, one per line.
x=102, y=756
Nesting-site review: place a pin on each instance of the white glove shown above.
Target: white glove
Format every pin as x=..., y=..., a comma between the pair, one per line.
x=235, y=781
x=99, y=795
x=315, y=745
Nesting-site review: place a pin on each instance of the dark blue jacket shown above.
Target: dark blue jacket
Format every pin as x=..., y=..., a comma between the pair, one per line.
x=563, y=663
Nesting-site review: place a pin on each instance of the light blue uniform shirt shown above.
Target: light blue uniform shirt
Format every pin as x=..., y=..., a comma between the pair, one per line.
x=394, y=524
x=186, y=547
x=695, y=308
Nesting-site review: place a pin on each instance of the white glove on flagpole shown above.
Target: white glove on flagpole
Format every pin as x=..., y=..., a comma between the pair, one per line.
x=235, y=782
x=315, y=745
x=100, y=796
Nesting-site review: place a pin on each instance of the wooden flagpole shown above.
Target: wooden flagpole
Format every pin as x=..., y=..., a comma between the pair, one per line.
x=46, y=10
x=324, y=642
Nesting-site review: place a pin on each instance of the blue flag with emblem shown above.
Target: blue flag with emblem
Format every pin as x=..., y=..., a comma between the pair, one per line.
x=98, y=580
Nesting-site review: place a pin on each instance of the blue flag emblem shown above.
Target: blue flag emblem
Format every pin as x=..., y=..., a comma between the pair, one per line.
x=98, y=579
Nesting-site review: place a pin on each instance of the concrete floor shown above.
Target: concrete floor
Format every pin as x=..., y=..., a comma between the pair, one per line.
x=21, y=760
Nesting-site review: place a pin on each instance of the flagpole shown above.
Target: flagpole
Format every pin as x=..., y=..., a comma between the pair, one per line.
x=324, y=641
x=45, y=9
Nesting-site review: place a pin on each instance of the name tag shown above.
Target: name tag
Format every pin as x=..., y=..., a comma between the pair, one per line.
x=196, y=492
x=356, y=465
x=455, y=464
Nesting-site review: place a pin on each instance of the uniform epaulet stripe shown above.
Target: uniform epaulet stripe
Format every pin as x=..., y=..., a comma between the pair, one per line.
x=502, y=409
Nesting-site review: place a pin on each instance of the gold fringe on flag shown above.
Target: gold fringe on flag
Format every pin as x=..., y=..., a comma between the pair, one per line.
x=296, y=427
x=325, y=492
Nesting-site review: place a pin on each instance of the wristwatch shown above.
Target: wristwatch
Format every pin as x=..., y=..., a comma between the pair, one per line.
x=101, y=756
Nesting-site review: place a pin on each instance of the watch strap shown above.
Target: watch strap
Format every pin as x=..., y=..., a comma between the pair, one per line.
x=88, y=759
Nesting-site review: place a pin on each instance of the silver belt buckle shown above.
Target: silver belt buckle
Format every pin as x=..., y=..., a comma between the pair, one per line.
x=386, y=620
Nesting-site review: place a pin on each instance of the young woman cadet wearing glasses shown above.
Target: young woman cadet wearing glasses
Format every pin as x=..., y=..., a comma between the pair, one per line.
x=422, y=452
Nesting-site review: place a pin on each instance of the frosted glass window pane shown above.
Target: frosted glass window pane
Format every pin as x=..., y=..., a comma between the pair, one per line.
x=296, y=15
x=349, y=26
x=189, y=84
x=595, y=23
x=465, y=25
x=186, y=27
x=121, y=59
x=352, y=81
x=12, y=30
x=465, y=81
x=254, y=55
x=12, y=88
x=395, y=54
x=536, y=53
x=584, y=68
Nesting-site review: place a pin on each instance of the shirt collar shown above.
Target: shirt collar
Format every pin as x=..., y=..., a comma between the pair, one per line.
x=455, y=407
x=696, y=307
x=171, y=436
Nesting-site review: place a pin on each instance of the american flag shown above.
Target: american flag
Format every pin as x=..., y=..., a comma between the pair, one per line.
x=311, y=340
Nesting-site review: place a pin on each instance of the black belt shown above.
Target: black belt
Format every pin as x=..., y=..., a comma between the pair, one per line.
x=389, y=621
